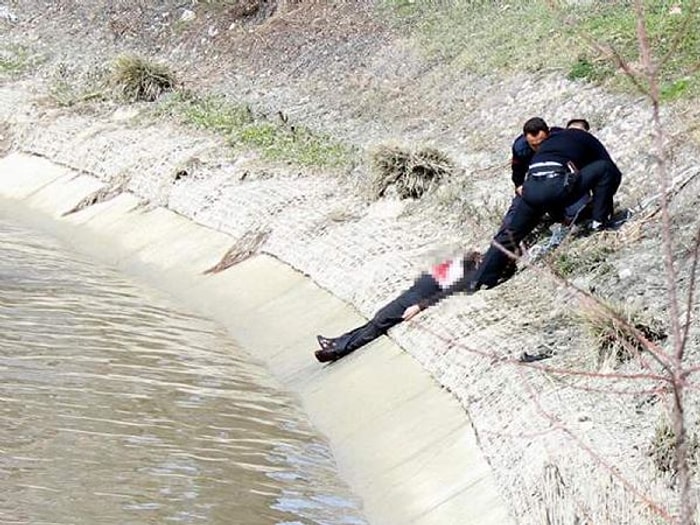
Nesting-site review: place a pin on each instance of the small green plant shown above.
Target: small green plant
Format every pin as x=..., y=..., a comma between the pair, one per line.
x=412, y=173
x=662, y=449
x=676, y=89
x=137, y=79
x=15, y=59
x=295, y=144
x=586, y=69
x=210, y=112
x=612, y=336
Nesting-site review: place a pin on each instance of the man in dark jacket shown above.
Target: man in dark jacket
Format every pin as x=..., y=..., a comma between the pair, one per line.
x=564, y=168
x=535, y=131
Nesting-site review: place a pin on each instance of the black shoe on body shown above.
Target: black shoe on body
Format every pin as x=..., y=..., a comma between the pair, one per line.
x=326, y=355
x=326, y=343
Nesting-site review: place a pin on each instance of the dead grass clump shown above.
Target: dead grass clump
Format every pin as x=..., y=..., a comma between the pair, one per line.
x=245, y=247
x=116, y=187
x=613, y=333
x=5, y=138
x=662, y=450
x=410, y=173
x=137, y=79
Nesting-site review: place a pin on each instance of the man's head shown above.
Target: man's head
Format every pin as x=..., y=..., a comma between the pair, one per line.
x=579, y=123
x=536, y=132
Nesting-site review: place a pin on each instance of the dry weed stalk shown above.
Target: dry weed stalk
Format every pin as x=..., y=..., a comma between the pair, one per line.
x=662, y=450
x=614, y=341
x=245, y=247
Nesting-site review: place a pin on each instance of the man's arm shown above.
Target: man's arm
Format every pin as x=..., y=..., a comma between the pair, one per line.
x=520, y=160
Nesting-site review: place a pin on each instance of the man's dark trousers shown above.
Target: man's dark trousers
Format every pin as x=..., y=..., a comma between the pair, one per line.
x=548, y=195
x=602, y=178
x=496, y=265
x=390, y=315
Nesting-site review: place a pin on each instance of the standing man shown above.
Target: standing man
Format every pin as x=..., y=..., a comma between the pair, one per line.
x=565, y=167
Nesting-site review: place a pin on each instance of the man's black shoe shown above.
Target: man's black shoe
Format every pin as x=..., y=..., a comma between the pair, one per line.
x=327, y=355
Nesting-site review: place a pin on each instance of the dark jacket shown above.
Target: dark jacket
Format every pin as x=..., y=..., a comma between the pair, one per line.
x=521, y=157
x=571, y=145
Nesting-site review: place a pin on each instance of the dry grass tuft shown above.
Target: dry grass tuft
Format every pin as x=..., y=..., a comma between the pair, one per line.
x=411, y=173
x=116, y=187
x=5, y=138
x=662, y=450
x=139, y=80
x=581, y=260
x=615, y=341
x=245, y=247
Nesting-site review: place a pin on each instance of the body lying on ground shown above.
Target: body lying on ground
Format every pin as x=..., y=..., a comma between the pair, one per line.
x=444, y=279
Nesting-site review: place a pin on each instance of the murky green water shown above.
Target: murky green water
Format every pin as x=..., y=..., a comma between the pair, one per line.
x=117, y=406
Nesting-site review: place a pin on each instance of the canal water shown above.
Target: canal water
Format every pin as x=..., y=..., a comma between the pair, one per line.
x=118, y=406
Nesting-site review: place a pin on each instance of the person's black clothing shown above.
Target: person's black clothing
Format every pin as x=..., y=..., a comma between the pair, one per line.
x=389, y=315
x=520, y=159
x=497, y=266
x=571, y=145
x=602, y=178
x=521, y=156
x=427, y=290
x=550, y=186
x=555, y=187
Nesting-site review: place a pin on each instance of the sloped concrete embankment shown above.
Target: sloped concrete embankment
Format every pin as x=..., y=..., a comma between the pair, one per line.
x=404, y=444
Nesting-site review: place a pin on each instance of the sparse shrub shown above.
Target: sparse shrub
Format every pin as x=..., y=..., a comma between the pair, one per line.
x=662, y=449
x=411, y=173
x=137, y=79
x=614, y=341
x=576, y=261
x=70, y=86
x=586, y=69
